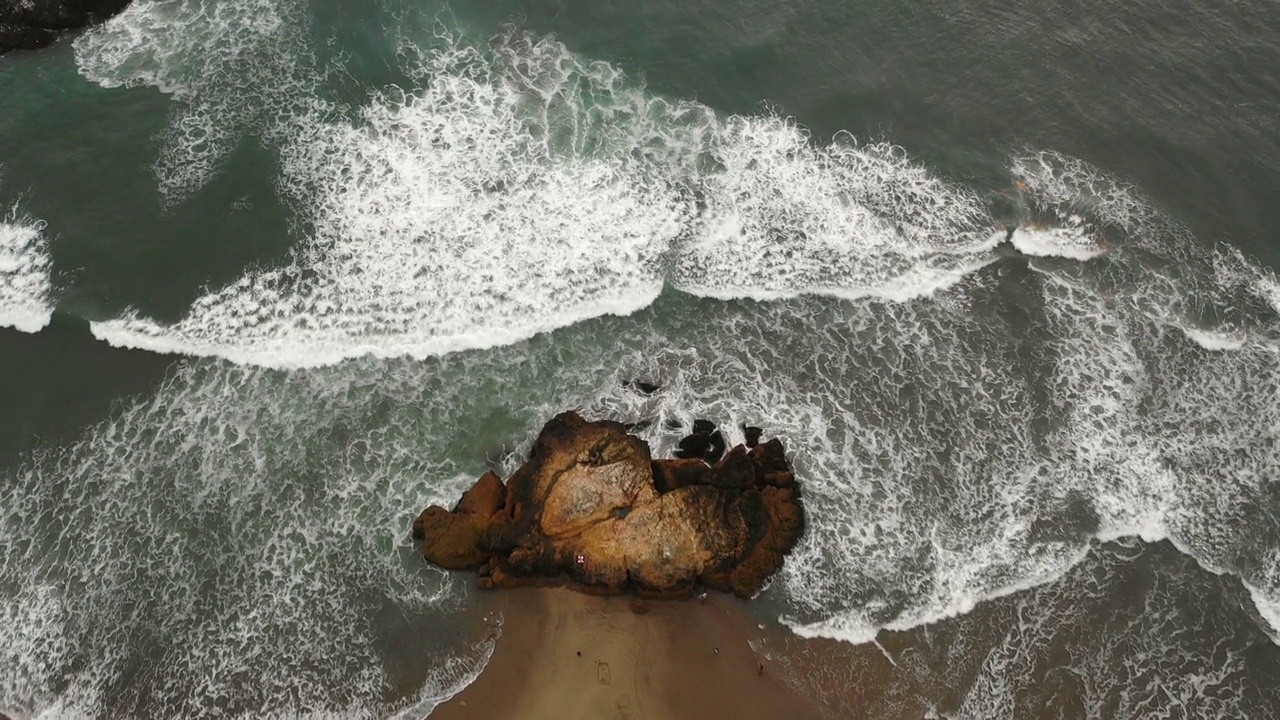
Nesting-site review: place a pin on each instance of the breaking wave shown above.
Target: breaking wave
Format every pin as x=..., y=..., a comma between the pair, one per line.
x=521, y=189
x=1085, y=646
x=1097, y=409
x=25, y=287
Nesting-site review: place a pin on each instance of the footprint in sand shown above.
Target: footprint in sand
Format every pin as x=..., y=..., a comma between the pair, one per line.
x=625, y=711
x=602, y=673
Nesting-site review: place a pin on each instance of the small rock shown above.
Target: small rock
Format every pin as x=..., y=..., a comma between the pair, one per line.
x=752, y=435
x=693, y=446
x=715, y=448
x=639, y=606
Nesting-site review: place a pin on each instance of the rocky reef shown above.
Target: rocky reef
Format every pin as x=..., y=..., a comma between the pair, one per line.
x=32, y=24
x=591, y=509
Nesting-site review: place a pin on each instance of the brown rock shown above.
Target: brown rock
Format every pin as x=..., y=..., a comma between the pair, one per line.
x=734, y=471
x=770, y=457
x=485, y=497
x=452, y=540
x=679, y=472
x=591, y=508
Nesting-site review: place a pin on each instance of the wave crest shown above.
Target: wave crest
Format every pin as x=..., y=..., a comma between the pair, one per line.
x=25, y=285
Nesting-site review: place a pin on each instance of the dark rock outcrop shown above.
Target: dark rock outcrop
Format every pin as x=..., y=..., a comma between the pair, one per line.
x=32, y=24
x=591, y=509
x=704, y=442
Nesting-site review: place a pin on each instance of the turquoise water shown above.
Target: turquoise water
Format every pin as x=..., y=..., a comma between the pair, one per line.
x=274, y=274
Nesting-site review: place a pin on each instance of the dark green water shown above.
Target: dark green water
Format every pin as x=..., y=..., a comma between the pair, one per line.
x=274, y=274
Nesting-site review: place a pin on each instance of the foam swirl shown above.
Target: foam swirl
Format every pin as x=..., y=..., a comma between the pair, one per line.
x=522, y=189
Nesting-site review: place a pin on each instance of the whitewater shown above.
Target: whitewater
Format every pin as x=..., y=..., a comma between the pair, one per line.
x=25, y=284
x=972, y=411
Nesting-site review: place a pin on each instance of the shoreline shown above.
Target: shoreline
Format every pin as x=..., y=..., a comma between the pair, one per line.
x=564, y=655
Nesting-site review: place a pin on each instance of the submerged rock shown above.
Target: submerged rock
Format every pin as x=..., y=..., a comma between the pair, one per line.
x=704, y=442
x=32, y=24
x=591, y=509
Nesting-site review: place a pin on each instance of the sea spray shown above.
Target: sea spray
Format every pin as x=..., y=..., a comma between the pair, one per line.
x=25, y=285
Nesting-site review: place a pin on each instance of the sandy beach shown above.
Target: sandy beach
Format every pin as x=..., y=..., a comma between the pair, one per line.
x=563, y=655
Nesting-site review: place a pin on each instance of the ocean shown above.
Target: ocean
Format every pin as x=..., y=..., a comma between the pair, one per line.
x=276, y=274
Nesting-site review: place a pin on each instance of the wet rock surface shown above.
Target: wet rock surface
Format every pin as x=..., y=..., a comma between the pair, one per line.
x=33, y=24
x=593, y=510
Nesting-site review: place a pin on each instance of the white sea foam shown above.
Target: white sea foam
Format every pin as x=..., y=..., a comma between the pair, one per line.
x=784, y=216
x=1203, y=287
x=236, y=544
x=1070, y=241
x=235, y=67
x=949, y=456
x=1210, y=340
x=949, y=461
x=1269, y=288
x=1181, y=448
x=1081, y=195
x=25, y=287
x=1267, y=599
x=37, y=645
x=1086, y=407
x=444, y=221
x=448, y=679
x=522, y=190
x=1100, y=642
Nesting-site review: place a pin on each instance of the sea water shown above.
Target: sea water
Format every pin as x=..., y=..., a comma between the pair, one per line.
x=1029, y=381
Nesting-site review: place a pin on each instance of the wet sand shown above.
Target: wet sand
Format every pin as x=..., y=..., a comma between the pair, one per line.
x=563, y=655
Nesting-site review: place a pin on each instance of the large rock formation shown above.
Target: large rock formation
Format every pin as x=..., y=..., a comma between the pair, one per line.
x=591, y=509
x=31, y=24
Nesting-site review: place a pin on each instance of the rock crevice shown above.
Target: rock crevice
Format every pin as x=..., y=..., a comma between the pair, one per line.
x=591, y=509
